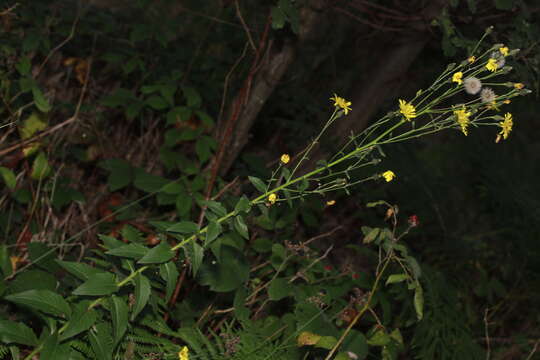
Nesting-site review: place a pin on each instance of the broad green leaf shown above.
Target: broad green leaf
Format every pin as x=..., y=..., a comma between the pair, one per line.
x=52, y=350
x=241, y=312
x=279, y=288
x=99, y=284
x=395, y=278
x=419, y=301
x=148, y=182
x=157, y=102
x=184, y=227
x=40, y=167
x=379, y=338
x=44, y=300
x=216, y=207
x=9, y=177
x=258, y=183
x=231, y=272
x=33, y=280
x=241, y=227
x=109, y=242
x=39, y=99
x=101, y=341
x=78, y=269
x=42, y=255
x=243, y=205
x=19, y=333
x=132, y=251
x=121, y=173
x=169, y=273
x=119, y=314
x=142, y=294
x=81, y=320
x=158, y=254
x=213, y=231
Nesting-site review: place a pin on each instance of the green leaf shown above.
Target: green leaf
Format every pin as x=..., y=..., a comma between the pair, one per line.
x=419, y=301
x=44, y=300
x=158, y=254
x=216, y=207
x=101, y=341
x=169, y=273
x=79, y=270
x=243, y=205
x=231, y=272
x=504, y=4
x=33, y=280
x=278, y=18
x=24, y=66
x=395, y=278
x=142, y=294
x=148, y=182
x=213, y=231
x=197, y=254
x=157, y=102
x=19, y=333
x=99, y=284
x=119, y=315
x=40, y=167
x=372, y=235
x=39, y=99
x=133, y=251
x=184, y=227
x=258, y=183
x=241, y=312
x=9, y=177
x=241, y=227
x=279, y=288
x=52, y=350
x=5, y=262
x=203, y=148
x=379, y=338
x=81, y=320
x=192, y=96
x=121, y=173
x=413, y=264
x=42, y=255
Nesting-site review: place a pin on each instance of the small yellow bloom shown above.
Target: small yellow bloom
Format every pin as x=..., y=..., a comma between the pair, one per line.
x=504, y=50
x=491, y=64
x=285, y=158
x=183, y=354
x=457, y=78
x=407, y=110
x=519, y=86
x=388, y=175
x=272, y=198
x=341, y=103
x=507, y=101
x=331, y=202
x=471, y=59
x=462, y=117
x=506, y=125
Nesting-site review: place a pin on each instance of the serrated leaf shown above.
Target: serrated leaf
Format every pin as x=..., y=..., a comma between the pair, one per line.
x=132, y=251
x=258, y=183
x=169, y=273
x=158, y=254
x=213, y=231
x=79, y=270
x=119, y=315
x=9, y=177
x=241, y=227
x=44, y=300
x=279, y=288
x=184, y=227
x=19, y=333
x=395, y=278
x=142, y=294
x=243, y=205
x=81, y=320
x=419, y=301
x=99, y=284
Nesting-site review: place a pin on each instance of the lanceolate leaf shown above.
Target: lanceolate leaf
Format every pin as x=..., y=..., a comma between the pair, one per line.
x=241, y=227
x=419, y=301
x=395, y=278
x=214, y=229
x=43, y=300
x=82, y=319
x=169, y=273
x=80, y=270
x=158, y=254
x=184, y=227
x=258, y=183
x=243, y=205
x=133, y=251
x=100, y=284
x=101, y=341
x=119, y=314
x=197, y=254
x=12, y=332
x=142, y=294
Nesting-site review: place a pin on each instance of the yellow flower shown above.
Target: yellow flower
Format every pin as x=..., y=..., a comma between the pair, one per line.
x=407, y=110
x=506, y=125
x=272, y=198
x=507, y=101
x=463, y=119
x=331, y=202
x=471, y=59
x=491, y=64
x=388, y=175
x=519, y=86
x=183, y=354
x=285, y=158
x=457, y=78
x=504, y=50
x=340, y=102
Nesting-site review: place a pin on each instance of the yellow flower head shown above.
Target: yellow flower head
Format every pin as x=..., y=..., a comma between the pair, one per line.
x=183, y=354
x=407, y=110
x=388, y=175
x=491, y=64
x=457, y=78
x=341, y=103
x=331, y=202
x=519, y=86
x=272, y=198
x=506, y=125
x=462, y=117
x=504, y=50
x=285, y=158
x=471, y=59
